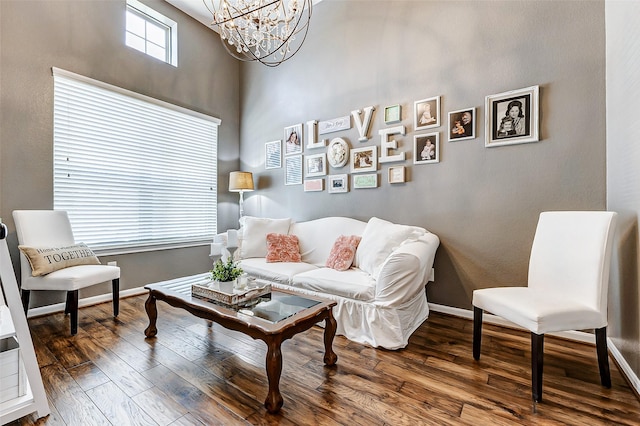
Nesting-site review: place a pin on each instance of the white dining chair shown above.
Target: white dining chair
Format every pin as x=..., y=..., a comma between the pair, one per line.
x=566, y=290
x=51, y=228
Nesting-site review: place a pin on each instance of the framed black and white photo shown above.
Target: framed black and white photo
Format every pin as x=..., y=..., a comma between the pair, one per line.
x=293, y=139
x=293, y=170
x=315, y=165
x=273, y=155
x=426, y=113
x=462, y=124
x=338, y=184
x=512, y=117
x=426, y=148
x=364, y=159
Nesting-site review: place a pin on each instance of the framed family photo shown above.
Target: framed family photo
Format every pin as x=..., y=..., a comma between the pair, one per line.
x=338, y=184
x=364, y=159
x=426, y=113
x=315, y=165
x=293, y=139
x=426, y=148
x=462, y=124
x=293, y=170
x=273, y=155
x=512, y=117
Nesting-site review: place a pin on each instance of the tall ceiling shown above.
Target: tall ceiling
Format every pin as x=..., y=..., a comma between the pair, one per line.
x=195, y=8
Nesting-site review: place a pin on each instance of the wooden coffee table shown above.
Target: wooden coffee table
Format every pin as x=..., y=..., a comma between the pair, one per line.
x=273, y=320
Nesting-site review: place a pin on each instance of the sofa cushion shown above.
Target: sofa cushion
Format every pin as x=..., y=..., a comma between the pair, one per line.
x=281, y=272
x=254, y=234
x=343, y=252
x=282, y=248
x=317, y=236
x=44, y=260
x=379, y=239
x=352, y=284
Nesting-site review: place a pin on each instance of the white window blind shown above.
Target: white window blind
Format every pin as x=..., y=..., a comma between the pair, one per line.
x=134, y=173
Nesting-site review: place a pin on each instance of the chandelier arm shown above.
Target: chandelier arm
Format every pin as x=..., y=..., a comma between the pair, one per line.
x=240, y=12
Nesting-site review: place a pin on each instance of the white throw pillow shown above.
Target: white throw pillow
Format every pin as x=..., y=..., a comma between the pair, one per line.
x=254, y=234
x=379, y=239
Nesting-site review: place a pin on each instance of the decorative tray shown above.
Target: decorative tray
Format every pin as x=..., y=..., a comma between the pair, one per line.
x=238, y=297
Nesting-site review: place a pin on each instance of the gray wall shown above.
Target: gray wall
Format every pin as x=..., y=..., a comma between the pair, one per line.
x=623, y=174
x=87, y=37
x=483, y=203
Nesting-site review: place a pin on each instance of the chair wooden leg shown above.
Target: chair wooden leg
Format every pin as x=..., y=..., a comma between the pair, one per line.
x=72, y=306
x=68, y=303
x=477, y=332
x=25, y=300
x=603, y=356
x=115, y=284
x=537, y=350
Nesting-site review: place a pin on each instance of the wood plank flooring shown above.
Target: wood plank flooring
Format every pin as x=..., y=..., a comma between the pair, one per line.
x=192, y=374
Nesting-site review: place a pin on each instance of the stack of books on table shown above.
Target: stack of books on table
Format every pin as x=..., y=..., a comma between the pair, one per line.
x=209, y=292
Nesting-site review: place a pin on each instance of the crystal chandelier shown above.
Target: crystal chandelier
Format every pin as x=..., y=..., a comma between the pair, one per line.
x=267, y=31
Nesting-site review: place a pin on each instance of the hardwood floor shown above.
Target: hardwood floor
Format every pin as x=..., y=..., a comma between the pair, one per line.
x=192, y=374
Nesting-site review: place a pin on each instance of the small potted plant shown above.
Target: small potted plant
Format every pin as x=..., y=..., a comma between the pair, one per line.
x=226, y=274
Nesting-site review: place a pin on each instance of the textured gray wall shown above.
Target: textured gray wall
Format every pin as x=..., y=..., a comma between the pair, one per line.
x=623, y=175
x=483, y=203
x=87, y=37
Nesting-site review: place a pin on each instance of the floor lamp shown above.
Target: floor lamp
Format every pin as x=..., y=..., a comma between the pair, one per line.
x=241, y=182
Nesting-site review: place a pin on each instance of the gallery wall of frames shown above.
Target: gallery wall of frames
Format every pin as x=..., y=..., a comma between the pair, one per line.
x=308, y=152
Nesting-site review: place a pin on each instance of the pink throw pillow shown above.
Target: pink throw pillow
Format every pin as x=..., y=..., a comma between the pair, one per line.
x=343, y=252
x=282, y=248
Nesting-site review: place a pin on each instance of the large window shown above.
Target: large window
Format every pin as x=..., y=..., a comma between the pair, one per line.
x=134, y=173
x=151, y=32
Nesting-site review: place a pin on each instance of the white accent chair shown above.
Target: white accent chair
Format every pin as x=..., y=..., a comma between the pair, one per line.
x=51, y=228
x=567, y=287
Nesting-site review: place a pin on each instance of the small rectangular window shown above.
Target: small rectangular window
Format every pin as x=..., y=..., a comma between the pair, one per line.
x=151, y=32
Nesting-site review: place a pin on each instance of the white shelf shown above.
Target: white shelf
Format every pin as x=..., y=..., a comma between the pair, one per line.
x=13, y=322
x=6, y=323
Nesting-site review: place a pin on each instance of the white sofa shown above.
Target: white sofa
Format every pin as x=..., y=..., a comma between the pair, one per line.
x=381, y=298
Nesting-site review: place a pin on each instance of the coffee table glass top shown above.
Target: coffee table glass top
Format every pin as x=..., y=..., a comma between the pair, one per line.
x=273, y=307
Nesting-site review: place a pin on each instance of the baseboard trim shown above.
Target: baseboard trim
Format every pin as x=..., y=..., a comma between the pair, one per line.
x=101, y=298
x=580, y=336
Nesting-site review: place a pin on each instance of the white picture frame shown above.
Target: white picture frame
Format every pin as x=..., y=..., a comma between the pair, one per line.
x=293, y=140
x=364, y=159
x=314, y=185
x=426, y=113
x=426, y=148
x=293, y=170
x=503, y=126
x=365, y=181
x=462, y=124
x=315, y=165
x=273, y=155
x=397, y=174
x=338, y=184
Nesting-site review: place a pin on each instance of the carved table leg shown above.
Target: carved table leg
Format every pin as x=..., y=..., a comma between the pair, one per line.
x=330, y=326
x=152, y=313
x=274, y=368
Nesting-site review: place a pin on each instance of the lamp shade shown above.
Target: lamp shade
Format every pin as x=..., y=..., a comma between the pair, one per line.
x=240, y=181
